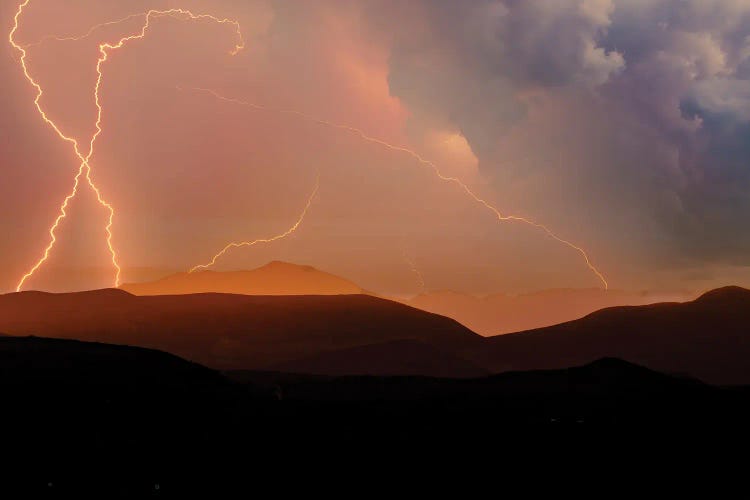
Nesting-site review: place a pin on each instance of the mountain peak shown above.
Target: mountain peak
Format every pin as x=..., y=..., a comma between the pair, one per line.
x=274, y=278
x=280, y=264
x=725, y=294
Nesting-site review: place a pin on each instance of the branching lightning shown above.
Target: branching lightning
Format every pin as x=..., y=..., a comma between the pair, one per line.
x=401, y=149
x=279, y=236
x=84, y=169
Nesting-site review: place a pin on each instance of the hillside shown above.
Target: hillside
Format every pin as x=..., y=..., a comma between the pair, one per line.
x=231, y=331
x=708, y=338
x=360, y=334
x=57, y=366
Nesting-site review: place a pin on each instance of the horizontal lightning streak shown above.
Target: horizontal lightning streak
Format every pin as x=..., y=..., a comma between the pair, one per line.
x=360, y=133
x=90, y=32
x=279, y=236
x=152, y=14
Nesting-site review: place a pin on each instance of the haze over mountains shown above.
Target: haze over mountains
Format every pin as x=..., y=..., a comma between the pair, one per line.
x=359, y=334
x=275, y=278
x=491, y=315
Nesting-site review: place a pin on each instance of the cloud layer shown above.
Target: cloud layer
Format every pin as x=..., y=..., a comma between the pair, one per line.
x=622, y=124
x=660, y=89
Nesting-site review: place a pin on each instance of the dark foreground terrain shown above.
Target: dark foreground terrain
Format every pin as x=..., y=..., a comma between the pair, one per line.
x=131, y=422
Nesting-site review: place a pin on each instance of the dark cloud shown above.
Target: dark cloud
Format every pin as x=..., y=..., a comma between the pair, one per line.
x=466, y=62
x=660, y=87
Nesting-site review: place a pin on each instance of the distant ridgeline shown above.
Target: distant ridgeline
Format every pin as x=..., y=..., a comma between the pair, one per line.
x=362, y=334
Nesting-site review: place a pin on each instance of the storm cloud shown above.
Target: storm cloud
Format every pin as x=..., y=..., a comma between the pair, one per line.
x=659, y=88
x=624, y=125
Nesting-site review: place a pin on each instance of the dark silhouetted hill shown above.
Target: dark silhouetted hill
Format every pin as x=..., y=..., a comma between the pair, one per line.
x=68, y=367
x=235, y=331
x=93, y=420
x=275, y=278
x=359, y=334
x=80, y=416
x=708, y=338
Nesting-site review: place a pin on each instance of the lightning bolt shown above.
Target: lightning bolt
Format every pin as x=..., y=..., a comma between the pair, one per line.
x=252, y=243
x=58, y=38
x=423, y=161
x=84, y=169
x=74, y=38
x=415, y=270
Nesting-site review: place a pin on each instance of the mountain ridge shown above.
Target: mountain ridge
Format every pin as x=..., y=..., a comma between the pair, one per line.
x=229, y=331
x=706, y=338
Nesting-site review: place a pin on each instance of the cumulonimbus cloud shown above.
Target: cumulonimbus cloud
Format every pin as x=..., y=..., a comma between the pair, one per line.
x=672, y=76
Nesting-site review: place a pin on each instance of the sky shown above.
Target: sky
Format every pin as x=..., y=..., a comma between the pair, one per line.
x=621, y=125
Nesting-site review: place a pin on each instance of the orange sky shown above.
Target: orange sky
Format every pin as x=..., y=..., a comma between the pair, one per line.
x=188, y=173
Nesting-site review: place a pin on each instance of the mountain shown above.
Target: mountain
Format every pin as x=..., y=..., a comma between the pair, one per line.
x=59, y=365
x=233, y=331
x=708, y=338
x=82, y=417
x=275, y=278
x=500, y=313
x=360, y=334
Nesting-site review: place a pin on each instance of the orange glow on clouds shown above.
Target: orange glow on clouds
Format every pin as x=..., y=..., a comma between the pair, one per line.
x=455, y=151
x=369, y=80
